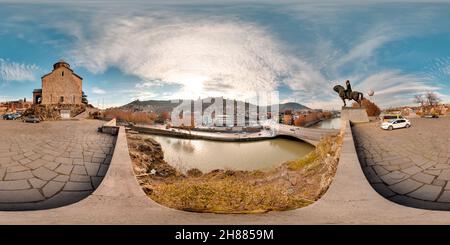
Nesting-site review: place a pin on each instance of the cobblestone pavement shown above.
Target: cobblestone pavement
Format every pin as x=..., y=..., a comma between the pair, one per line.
x=408, y=166
x=51, y=164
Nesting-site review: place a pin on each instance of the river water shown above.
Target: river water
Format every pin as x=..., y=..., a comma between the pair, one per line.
x=334, y=123
x=208, y=155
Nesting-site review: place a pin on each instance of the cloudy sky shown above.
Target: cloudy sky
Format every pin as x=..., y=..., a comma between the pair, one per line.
x=191, y=49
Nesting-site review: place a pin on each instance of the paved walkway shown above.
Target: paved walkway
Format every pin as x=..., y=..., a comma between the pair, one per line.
x=408, y=166
x=51, y=164
x=120, y=200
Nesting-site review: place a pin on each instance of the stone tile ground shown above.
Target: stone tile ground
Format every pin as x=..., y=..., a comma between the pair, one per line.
x=408, y=166
x=51, y=164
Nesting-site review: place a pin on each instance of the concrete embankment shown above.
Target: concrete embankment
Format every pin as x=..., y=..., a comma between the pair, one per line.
x=310, y=124
x=309, y=135
x=120, y=200
x=185, y=134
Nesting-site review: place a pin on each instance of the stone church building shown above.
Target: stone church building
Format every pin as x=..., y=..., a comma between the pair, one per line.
x=61, y=86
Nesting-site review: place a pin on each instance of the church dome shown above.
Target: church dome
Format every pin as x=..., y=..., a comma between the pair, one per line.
x=61, y=63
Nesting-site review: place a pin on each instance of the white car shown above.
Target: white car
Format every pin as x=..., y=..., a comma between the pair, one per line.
x=396, y=123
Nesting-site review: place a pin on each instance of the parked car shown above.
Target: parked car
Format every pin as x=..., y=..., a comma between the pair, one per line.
x=390, y=117
x=31, y=119
x=396, y=123
x=430, y=116
x=11, y=116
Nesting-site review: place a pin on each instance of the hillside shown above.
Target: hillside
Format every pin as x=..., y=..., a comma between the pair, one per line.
x=292, y=106
x=159, y=106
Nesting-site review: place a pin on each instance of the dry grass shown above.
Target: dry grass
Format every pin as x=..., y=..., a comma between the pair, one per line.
x=228, y=195
x=322, y=151
x=52, y=112
x=128, y=116
x=293, y=185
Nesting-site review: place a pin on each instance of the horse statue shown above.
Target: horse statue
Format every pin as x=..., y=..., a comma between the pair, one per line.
x=353, y=95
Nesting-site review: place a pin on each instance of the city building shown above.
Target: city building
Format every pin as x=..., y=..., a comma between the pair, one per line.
x=14, y=106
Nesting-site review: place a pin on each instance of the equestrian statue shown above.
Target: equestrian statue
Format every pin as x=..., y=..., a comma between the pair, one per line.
x=348, y=94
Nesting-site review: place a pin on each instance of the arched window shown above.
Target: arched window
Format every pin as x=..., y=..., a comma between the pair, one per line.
x=62, y=73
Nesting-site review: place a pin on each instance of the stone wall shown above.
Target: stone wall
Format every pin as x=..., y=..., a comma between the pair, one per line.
x=53, y=112
x=61, y=86
x=354, y=115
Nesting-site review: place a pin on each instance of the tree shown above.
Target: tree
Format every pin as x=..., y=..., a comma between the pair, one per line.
x=84, y=99
x=327, y=115
x=418, y=98
x=288, y=119
x=371, y=108
x=165, y=115
x=432, y=98
x=300, y=121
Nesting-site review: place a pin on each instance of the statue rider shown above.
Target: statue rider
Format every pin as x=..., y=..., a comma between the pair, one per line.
x=348, y=89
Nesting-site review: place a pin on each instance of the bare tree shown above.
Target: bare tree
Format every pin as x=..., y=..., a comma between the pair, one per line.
x=418, y=98
x=432, y=98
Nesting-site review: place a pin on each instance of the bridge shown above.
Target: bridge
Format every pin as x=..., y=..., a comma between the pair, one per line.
x=309, y=135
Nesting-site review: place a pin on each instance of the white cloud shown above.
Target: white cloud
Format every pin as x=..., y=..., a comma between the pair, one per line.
x=144, y=95
x=205, y=57
x=393, y=88
x=366, y=46
x=137, y=94
x=439, y=69
x=4, y=98
x=231, y=58
x=445, y=98
x=13, y=71
x=148, y=84
x=97, y=90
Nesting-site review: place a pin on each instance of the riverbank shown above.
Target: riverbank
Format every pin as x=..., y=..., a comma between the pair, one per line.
x=292, y=185
x=308, y=135
x=185, y=154
x=332, y=123
x=191, y=134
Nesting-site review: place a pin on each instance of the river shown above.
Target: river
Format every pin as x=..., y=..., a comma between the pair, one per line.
x=334, y=123
x=208, y=155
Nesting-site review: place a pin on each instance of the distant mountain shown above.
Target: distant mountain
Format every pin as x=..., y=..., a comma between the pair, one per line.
x=159, y=106
x=292, y=106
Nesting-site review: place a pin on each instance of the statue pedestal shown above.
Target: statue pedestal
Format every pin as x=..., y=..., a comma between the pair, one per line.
x=355, y=115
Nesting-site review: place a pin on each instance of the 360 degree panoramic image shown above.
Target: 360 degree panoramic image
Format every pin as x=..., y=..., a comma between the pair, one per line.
x=224, y=113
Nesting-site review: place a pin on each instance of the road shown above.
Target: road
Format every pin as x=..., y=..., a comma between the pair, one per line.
x=50, y=164
x=409, y=166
